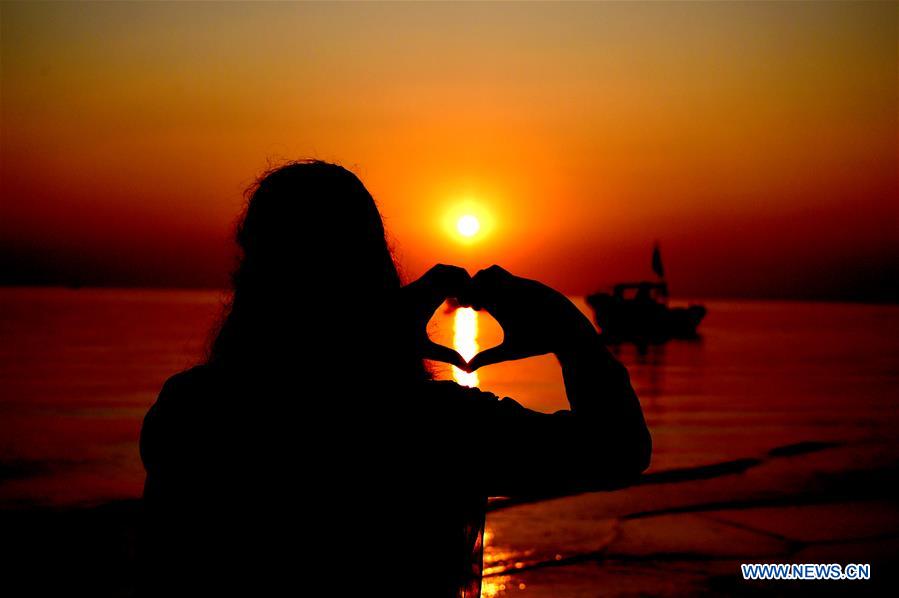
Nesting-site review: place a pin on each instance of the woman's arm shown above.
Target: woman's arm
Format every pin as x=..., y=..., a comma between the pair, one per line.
x=599, y=392
x=602, y=441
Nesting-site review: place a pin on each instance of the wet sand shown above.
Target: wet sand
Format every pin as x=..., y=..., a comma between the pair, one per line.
x=686, y=531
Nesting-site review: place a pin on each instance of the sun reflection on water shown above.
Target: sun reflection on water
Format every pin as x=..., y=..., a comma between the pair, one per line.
x=465, y=341
x=498, y=564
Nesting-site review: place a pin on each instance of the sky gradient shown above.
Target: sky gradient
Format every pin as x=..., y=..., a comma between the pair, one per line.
x=756, y=142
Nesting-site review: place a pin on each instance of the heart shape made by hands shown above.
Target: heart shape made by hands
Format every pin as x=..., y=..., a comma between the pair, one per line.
x=535, y=319
x=466, y=334
x=486, y=293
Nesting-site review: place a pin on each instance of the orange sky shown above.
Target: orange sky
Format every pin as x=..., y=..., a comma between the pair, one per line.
x=757, y=142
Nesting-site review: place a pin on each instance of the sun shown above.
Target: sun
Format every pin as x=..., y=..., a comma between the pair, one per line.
x=468, y=225
x=468, y=221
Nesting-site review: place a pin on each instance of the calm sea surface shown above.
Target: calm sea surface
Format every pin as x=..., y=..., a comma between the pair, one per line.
x=79, y=368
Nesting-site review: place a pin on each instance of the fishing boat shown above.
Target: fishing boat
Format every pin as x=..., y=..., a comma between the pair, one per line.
x=639, y=311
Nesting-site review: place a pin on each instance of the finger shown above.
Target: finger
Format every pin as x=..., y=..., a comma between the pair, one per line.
x=454, y=280
x=493, y=355
x=488, y=288
x=438, y=352
x=447, y=271
x=443, y=281
x=479, y=288
x=467, y=298
x=491, y=278
x=492, y=273
x=437, y=284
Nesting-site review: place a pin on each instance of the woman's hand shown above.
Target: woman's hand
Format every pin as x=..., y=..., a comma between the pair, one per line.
x=535, y=318
x=424, y=296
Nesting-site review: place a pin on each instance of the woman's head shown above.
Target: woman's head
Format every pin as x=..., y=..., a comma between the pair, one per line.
x=318, y=221
x=315, y=274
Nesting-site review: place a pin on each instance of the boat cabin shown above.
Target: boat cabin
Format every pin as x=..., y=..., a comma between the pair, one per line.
x=644, y=292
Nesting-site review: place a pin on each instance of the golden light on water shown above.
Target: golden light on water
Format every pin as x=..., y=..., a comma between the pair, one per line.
x=465, y=341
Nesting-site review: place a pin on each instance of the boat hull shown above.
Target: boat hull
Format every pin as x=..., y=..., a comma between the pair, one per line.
x=633, y=320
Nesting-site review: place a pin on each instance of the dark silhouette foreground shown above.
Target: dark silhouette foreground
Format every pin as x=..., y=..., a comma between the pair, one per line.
x=312, y=451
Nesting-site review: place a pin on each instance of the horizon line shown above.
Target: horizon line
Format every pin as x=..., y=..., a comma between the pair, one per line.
x=883, y=300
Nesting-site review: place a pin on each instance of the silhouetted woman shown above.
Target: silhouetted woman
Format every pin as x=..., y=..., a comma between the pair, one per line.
x=312, y=452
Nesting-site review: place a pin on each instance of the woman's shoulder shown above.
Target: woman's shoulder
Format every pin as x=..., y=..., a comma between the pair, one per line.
x=180, y=404
x=187, y=383
x=182, y=393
